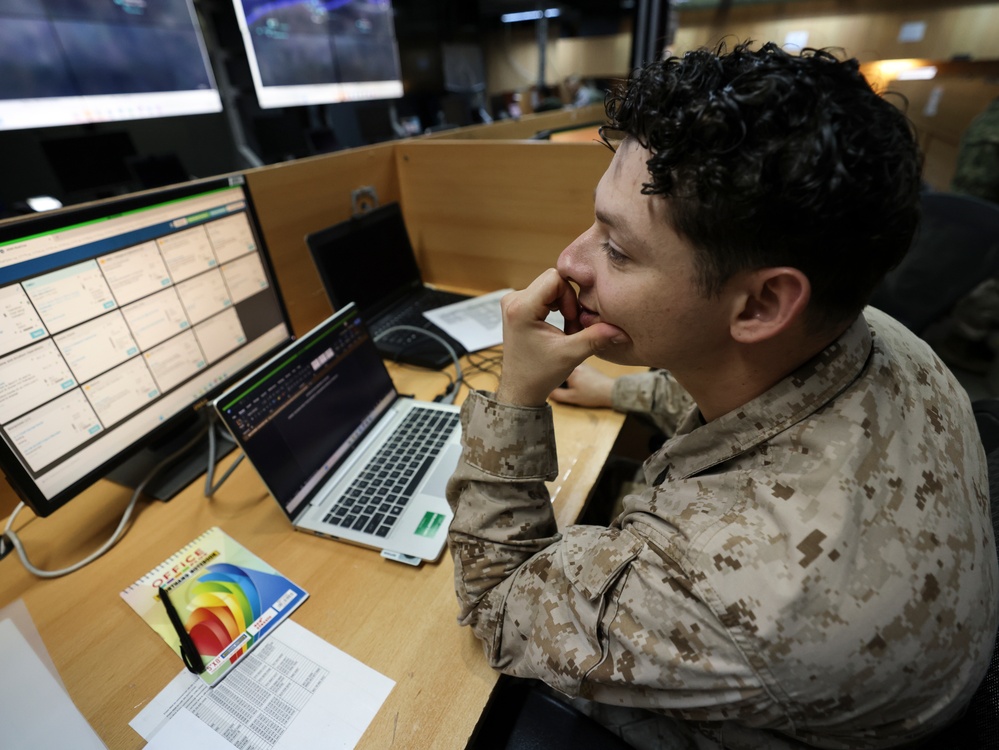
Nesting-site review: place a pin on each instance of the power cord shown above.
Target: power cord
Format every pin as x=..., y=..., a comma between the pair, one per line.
x=488, y=362
x=11, y=536
x=451, y=392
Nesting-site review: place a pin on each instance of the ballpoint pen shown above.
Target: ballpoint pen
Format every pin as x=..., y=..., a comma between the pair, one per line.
x=188, y=651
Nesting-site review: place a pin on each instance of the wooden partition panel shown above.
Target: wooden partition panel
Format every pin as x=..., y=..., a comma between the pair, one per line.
x=492, y=214
x=296, y=198
x=524, y=127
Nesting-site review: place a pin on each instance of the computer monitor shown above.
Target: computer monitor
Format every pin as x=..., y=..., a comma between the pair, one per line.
x=119, y=320
x=316, y=53
x=65, y=62
x=91, y=162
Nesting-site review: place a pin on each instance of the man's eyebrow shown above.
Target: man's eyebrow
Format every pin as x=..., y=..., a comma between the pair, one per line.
x=605, y=218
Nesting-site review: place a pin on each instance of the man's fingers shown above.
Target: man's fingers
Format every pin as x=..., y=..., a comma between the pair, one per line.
x=546, y=294
x=589, y=341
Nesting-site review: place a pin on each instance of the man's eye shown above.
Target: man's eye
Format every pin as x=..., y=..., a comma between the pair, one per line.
x=613, y=255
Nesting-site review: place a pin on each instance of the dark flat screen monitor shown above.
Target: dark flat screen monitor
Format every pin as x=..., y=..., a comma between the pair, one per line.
x=118, y=321
x=304, y=52
x=91, y=161
x=64, y=62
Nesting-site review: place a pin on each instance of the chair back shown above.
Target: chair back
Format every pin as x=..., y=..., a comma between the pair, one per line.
x=979, y=727
x=955, y=248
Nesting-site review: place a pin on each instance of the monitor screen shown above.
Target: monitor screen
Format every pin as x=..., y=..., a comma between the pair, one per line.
x=117, y=320
x=65, y=62
x=305, y=52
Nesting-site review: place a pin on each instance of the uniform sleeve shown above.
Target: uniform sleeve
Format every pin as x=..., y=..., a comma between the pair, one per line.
x=977, y=173
x=655, y=394
x=594, y=611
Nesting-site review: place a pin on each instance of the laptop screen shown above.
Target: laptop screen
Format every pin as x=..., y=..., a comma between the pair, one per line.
x=300, y=415
x=367, y=260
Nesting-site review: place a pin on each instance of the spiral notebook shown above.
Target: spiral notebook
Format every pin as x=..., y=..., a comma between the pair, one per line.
x=228, y=600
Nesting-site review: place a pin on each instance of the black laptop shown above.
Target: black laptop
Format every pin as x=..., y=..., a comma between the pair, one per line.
x=368, y=260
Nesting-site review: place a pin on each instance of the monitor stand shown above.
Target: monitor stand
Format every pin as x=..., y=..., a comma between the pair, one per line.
x=176, y=476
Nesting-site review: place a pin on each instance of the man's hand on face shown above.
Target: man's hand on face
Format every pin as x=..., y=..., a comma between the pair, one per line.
x=537, y=357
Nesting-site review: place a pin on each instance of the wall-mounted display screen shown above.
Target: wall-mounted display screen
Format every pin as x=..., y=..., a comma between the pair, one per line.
x=65, y=62
x=320, y=51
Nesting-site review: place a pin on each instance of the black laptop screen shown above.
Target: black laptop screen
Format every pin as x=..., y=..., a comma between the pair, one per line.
x=298, y=417
x=367, y=260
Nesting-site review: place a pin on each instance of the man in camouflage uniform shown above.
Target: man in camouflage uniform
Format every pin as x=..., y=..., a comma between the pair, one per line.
x=812, y=562
x=975, y=333
x=977, y=171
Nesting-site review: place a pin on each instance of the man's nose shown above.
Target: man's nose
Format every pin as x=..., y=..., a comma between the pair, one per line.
x=571, y=261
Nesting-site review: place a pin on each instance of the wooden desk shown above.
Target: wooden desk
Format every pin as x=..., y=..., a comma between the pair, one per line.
x=113, y=663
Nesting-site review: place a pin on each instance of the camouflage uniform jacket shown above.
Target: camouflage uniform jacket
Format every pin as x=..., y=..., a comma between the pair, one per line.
x=819, y=563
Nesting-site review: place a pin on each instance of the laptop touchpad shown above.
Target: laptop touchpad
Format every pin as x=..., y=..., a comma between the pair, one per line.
x=448, y=462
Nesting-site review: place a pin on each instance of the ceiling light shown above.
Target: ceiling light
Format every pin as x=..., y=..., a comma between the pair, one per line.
x=530, y=15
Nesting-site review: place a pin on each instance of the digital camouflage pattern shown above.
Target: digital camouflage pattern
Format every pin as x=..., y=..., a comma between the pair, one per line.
x=658, y=396
x=977, y=171
x=816, y=568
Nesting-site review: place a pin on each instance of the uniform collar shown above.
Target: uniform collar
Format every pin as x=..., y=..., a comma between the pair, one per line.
x=697, y=446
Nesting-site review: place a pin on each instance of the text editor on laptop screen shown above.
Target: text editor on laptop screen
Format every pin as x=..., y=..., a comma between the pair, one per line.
x=299, y=415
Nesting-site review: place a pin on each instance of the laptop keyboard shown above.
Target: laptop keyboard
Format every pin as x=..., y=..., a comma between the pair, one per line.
x=374, y=501
x=412, y=314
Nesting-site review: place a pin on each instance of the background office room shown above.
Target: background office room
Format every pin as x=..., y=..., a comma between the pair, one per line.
x=161, y=166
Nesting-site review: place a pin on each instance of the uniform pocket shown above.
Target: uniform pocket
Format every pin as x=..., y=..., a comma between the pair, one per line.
x=594, y=556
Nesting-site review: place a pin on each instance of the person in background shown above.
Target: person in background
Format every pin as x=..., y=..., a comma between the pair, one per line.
x=974, y=334
x=810, y=562
x=545, y=98
x=580, y=93
x=977, y=170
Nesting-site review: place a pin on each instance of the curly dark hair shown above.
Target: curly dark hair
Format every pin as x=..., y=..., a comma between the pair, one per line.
x=771, y=159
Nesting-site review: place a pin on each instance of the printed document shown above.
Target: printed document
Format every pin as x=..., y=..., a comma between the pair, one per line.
x=294, y=691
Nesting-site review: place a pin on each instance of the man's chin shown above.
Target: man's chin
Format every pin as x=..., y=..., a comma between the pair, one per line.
x=618, y=355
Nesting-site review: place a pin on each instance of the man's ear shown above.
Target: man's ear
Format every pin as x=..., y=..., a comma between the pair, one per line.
x=768, y=302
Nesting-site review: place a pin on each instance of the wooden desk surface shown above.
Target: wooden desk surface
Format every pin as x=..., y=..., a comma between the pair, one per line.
x=113, y=663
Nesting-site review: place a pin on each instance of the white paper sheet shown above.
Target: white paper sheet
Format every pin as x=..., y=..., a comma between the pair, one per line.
x=35, y=711
x=478, y=322
x=187, y=730
x=294, y=691
x=17, y=611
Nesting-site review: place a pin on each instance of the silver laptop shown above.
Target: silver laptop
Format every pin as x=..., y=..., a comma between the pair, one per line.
x=341, y=451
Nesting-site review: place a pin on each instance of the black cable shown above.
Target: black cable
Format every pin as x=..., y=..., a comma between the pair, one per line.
x=118, y=532
x=452, y=390
x=488, y=362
